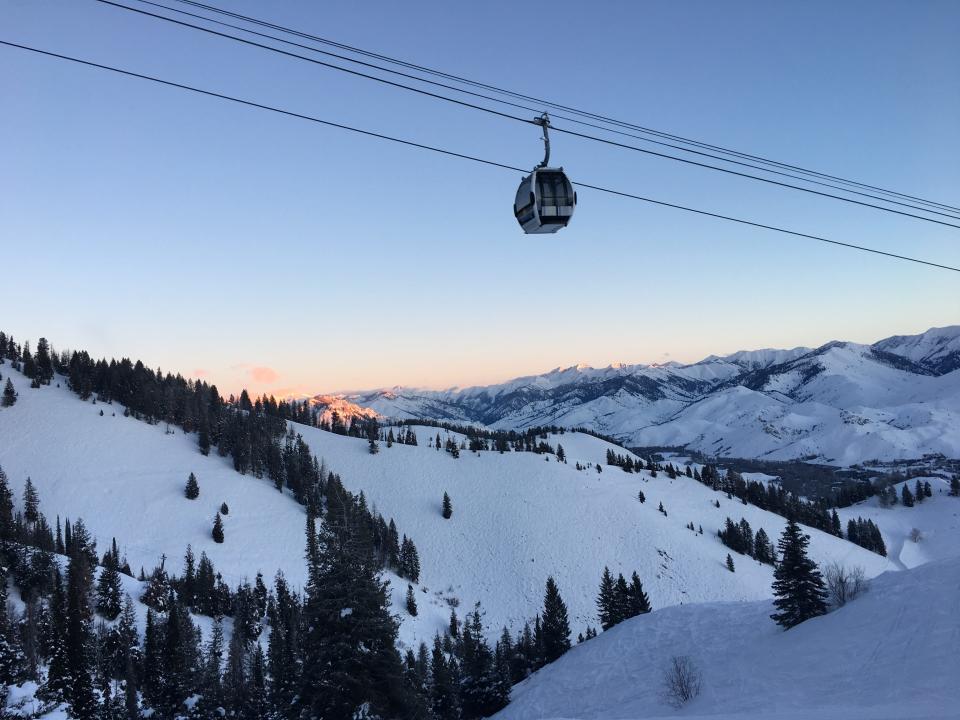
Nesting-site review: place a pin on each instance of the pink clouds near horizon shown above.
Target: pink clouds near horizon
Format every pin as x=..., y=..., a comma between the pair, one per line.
x=263, y=375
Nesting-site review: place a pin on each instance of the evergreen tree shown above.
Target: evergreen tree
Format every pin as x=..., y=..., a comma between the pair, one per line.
x=153, y=680
x=31, y=503
x=797, y=587
x=556, y=626
x=606, y=604
x=639, y=602
x=44, y=363
x=178, y=656
x=157, y=593
x=12, y=659
x=561, y=455
x=224, y=509
x=79, y=640
x=257, y=705
x=411, y=601
x=192, y=490
x=730, y=563
x=109, y=592
x=349, y=658
x=906, y=496
x=217, y=532
x=621, y=598
x=9, y=395
x=235, y=680
x=443, y=700
x=57, y=685
x=481, y=692
x=409, y=560
x=762, y=550
x=955, y=486
x=447, y=507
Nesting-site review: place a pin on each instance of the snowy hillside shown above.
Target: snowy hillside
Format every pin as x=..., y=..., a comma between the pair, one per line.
x=841, y=403
x=518, y=517
x=926, y=532
x=125, y=478
x=888, y=655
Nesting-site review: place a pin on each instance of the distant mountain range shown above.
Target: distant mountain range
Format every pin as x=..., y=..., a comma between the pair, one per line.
x=841, y=403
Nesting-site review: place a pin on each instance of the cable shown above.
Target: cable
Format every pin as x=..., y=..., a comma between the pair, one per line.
x=541, y=102
x=443, y=151
x=524, y=120
x=567, y=118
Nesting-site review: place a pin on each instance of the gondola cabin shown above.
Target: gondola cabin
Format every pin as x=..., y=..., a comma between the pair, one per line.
x=545, y=201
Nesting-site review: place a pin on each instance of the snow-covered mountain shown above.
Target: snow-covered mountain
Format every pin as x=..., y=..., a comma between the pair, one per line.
x=518, y=517
x=841, y=403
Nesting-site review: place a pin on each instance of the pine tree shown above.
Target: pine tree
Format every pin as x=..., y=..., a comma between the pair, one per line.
x=762, y=551
x=109, y=592
x=79, y=639
x=349, y=657
x=639, y=602
x=192, y=490
x=906, y=496
x=257, y=705
x=411, y=601
x=481, y=693
x=224, y=509
x=797, y=587
x=12, y=659
x=217, y=529
x=9, y=395
x=621, y=598
x=730, y=563
x=152, y=682
x=443, y=698
x=409, y=560
x=556, y=626
x=157, y=593
x=56, y=687
x=561, y=455
x=606, y=604
x=955, y=486
x=447, y=507
x=31, y=502
x=44, y=362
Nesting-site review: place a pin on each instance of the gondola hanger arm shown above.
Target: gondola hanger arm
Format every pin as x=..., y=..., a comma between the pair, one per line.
x=544, y=122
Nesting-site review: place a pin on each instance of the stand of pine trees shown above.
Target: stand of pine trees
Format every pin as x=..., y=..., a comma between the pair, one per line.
x=740, y=538
x=866, y=534
x=617, y=601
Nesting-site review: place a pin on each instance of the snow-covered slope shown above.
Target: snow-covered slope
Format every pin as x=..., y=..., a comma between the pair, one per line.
x=891, y=654
x=518, y=517
x=936, y=521
x=841, y=403
x=125, y=478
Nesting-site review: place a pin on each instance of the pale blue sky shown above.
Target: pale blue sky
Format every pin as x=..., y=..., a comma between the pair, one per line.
x=198, y=235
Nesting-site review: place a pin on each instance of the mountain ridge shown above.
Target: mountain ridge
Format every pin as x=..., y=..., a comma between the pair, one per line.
x=899, y=390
